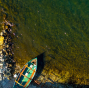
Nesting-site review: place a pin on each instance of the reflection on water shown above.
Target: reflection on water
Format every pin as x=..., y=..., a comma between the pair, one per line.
x=58, y=28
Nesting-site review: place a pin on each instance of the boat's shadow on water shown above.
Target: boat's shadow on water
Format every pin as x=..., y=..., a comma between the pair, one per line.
x=40, y=65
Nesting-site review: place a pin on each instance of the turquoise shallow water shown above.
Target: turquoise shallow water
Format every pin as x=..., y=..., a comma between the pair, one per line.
x=58, y=27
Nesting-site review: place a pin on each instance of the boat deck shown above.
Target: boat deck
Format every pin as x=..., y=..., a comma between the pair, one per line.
x=26, y=75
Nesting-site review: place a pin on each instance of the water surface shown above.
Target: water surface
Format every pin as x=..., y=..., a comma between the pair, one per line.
x=59, y=28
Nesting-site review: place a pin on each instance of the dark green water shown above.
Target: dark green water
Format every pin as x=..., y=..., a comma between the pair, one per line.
x=58, y=27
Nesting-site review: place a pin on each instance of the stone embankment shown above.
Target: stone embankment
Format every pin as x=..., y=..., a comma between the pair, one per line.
x=7, y=64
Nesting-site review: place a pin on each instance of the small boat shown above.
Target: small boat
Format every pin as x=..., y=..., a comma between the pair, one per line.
x=26, y=74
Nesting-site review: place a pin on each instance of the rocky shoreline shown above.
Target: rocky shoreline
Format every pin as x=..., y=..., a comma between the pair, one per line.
x=6, y=54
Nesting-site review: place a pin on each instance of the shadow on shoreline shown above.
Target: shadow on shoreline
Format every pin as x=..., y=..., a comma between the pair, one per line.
x=58, y=85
